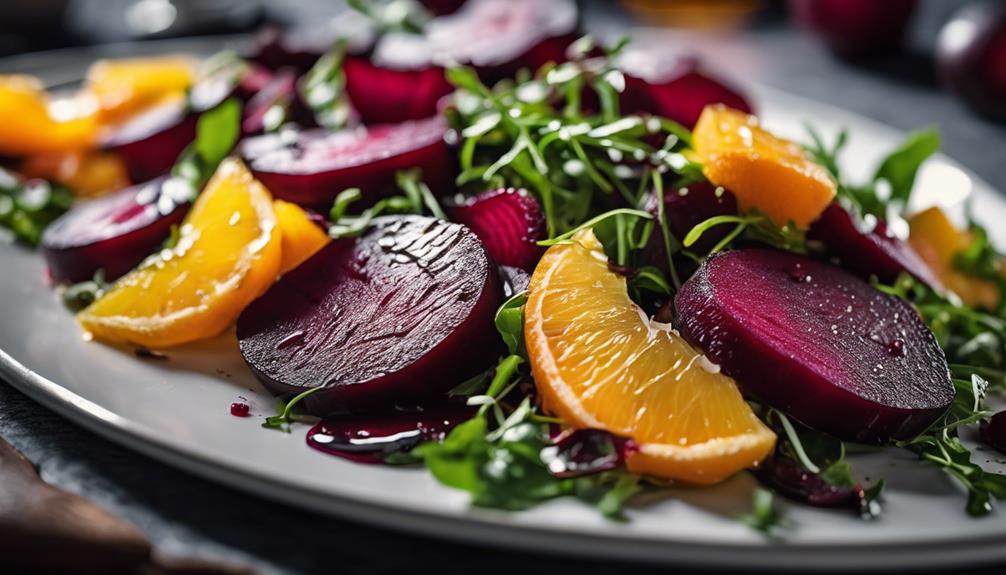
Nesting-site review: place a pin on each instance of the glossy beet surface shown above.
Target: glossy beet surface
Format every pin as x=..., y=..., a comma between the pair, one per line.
x=579, y=452
x=972, y=57
x=868, y=250
x=679, y=92
x=498, y=37
x=384, y=94
x=311, y=167
x=401, y=313
x=856, y=28
x=509, y=222
x=817, y=343
x=789, y=478
x=369, y=438
x=114, y=232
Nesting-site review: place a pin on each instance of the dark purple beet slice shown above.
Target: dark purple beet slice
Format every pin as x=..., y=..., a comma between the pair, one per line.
x=150, y=143
x=384, y=94
x=299, y=48
x=499, y=37
x=818, y=343
x=311, y=167
x=114, y=232
x=579, y=452
x=509, y=222
x=869, y=250
x=401, y=313
x=787, y=477
x=680, y=92
x=515, y=280
x=442, y=7
x=993, y=432
x=369, y=438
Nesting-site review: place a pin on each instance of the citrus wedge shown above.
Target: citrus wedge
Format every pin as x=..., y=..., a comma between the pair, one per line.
x=301, y=236
x=29, y=126
x=227, y=255
x=764, y=172
x=124, y=87
x=599, y=362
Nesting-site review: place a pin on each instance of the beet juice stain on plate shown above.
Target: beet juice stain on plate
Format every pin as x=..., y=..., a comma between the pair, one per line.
x=368, y=438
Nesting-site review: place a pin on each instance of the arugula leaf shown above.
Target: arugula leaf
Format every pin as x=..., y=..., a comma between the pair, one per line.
x=217, y=132
x=80, y=295
x=287, y=416
x=510, y=323
x=26, y=208
x=324, y=88
x=900, y=167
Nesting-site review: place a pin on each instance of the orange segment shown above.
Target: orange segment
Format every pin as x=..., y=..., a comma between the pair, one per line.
x=88, y=174
x=301, y=237
x=599, y=362
x=125, y=87
x=227, y=255
x=766, y=173
x=937, y=240
x=28, y=127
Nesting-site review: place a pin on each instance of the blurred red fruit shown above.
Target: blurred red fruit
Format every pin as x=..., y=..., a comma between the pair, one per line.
x=856, y=28
x=972, y=57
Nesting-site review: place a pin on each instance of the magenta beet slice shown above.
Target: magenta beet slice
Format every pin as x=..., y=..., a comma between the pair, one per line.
x=818, y=343
x=869, y=250
x=114, y=232
x=402, y=313
x=679, y=92
x=499, y=37
x=384, y=94
x=689, y=206
x=369, y=438
x=789, y=478
x=509, y=222
x=580, y=452
x=311, y=167
x=150, y=143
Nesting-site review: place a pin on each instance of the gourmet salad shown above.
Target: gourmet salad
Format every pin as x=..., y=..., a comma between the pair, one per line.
x=467, y=236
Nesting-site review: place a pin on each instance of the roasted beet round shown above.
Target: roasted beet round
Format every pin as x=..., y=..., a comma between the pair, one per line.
x=689, y=206
x=679, y=92
x=817, y=343
x=400, y=314
x=499, y=37
x=508, y=221
x=113, y=233
x=385, y=94
x=869, y=248
x=311, y=167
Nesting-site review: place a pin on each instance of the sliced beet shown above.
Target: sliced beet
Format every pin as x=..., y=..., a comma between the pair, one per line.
x=679, y=92
x=113, y=233
x=580, y=452
x=499, y=37
x=817, y=343
x=400, y=314
x=785, y=476
x=509, y=222
x=689, y=206
x=869, y=248
x=275, y=49
x=150, y=142
x=383, y=93
x=276, y=103
x=311, y=167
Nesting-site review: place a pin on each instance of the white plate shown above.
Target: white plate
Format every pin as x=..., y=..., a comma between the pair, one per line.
x=177, y=411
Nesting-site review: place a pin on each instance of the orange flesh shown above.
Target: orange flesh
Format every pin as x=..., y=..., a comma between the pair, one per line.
x=599, y=362
x=764, y=172
x=937, y=240
x=301, y=237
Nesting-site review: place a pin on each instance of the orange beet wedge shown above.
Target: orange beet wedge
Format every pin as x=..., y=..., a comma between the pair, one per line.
x=228, y=254
x=599, y=362
x=764, y=172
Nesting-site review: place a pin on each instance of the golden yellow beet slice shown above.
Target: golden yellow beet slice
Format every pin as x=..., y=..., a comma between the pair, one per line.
x=937, y=241
x=227, y=255
x=599, y=362
x=124, y=87
x=764, y=172
x=301, y=237
x=28, y=127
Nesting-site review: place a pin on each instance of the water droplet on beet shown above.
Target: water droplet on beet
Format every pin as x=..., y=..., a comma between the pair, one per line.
x=369, y=438
x=896, y=348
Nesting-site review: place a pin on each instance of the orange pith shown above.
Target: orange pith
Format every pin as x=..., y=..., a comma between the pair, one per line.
x=764, y=172
x=301, y=237
x=228, y=254
x=599, y=362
